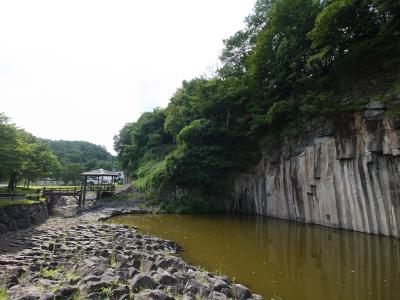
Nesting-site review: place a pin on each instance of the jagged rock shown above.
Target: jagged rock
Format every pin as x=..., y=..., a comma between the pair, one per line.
x=56, y=256
x=216, y=296
x=141, y=281
x=3, y=228
x=168, y=279
x=94, y=286
x=241, y=292
x=222, y=287
x=135, y=263
x=147, y=266
x=152, y=295
x=165, y=263
x=47, y=296
x=66, y=292
x=122, y=292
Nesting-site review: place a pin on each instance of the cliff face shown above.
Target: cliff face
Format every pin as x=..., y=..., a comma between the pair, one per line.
x=347, y=179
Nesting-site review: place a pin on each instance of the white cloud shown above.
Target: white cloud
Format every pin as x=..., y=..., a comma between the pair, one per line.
x=65, y=65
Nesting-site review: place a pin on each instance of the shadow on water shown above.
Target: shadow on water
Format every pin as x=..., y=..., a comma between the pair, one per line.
x=283, y=260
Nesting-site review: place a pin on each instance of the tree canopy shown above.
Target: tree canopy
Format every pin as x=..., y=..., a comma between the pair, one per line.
x=22, y=155
x=294, y=63
x=76, y=157
x=25, y=157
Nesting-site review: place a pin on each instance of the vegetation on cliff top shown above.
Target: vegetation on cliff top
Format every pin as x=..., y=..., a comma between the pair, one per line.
x=295, y=61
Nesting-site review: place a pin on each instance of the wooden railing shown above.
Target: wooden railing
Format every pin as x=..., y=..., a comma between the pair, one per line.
x=65, y=191
x=105, y=187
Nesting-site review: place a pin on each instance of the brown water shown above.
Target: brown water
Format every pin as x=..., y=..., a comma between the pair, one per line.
x=283, y=260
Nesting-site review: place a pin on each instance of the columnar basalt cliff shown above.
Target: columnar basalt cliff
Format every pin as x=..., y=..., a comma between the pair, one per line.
x=349, y=178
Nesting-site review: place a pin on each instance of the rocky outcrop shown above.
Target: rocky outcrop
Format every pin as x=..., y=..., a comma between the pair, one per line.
x=20, y=216
x=349, y=178
x=78, y=258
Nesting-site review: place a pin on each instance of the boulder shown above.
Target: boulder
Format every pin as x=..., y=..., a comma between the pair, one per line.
x=122, y=292
x=168, y=279
x=141, y=281
x=216, y=296
x=3, y=228
x=241, y=292
x=66, y=292
x=152, y=295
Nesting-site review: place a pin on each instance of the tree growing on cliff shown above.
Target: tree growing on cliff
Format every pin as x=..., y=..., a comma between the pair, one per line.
x=285, y=71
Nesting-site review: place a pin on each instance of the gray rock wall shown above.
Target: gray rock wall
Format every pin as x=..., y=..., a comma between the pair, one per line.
x=349, y=179
x=21, y=216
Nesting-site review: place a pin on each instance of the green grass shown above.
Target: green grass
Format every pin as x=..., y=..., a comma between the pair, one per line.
x=36, y=187
x=8, y=202
x=52, y=273
x=113, y=257
x=3, y=294
x=18, y=190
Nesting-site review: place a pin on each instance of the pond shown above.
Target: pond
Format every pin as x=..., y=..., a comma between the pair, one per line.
x=283, y=260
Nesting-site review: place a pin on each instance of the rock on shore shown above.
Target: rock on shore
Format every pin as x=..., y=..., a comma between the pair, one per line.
x=78, y=258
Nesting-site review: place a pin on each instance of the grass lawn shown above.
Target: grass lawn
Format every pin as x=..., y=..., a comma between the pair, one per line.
x=36, y=187
x=7, y=202
x=19, y=190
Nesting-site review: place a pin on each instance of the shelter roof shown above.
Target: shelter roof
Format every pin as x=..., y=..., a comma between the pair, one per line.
x=100, y=172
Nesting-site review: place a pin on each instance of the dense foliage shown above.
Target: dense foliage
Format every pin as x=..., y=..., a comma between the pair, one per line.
x=22, y=156
x=295, y=62
x=25, y=158
x=76, y=157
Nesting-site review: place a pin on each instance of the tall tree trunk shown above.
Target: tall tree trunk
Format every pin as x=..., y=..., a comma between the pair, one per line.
x=11, y=182
x=227, y=118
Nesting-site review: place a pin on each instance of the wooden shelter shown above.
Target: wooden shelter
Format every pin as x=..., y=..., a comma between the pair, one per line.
x=103, y=182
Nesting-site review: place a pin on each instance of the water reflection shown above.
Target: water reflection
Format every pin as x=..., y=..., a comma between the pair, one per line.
x=281, y=259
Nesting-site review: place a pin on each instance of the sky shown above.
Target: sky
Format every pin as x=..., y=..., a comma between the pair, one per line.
x=81, y=69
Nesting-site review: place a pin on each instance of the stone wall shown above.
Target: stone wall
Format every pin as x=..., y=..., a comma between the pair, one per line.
x=21, y=216
x=347, y=179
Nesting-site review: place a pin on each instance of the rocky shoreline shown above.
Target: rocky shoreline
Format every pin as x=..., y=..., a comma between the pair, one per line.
x=81, y=258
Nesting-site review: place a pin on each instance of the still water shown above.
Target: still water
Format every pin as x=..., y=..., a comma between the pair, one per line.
x=283, y=260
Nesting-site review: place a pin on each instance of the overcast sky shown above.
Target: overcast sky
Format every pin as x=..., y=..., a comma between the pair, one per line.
x=81, y=69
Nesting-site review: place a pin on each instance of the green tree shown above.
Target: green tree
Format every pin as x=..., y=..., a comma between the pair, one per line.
x=22, y=155
x=355, y=28
x=40, y=162
x=278, y=61
x=281, y=74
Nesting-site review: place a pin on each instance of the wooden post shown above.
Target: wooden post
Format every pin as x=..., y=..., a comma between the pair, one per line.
x=84, y=191
x=101, y=187
x=51, y=201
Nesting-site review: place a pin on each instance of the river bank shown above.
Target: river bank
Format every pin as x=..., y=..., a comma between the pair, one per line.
x=81, y=258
